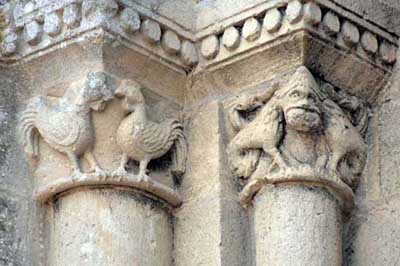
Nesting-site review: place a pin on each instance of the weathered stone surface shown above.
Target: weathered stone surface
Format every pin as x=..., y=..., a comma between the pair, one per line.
x=369, y=42
x=331, y=23
x=151, y=31
x=231, y=38
x=251, y=29
x=42, y=58
x=210, y=197
x=312, y=13
x=296, y=225
x=171, y=42
x=388, y=52
x=294, y=11
x=99, y=227
x=33, y=33
x=272, y=20
x=8, y=238
x=99, y=10
x=210, y=47
x=52, y=24
x=350, y=33
x=130, y=20
x=72, y=15
x=189, y=53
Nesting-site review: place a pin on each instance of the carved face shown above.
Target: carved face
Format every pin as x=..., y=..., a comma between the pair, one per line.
x=132, y=96
x=96, y=92
x=300, y=105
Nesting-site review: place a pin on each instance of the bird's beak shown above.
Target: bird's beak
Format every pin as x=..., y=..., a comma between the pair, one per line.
x=120, y=91
x=98, y=106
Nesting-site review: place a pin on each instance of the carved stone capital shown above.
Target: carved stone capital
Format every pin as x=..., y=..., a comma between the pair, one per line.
x=298, y=132
x=96, y=135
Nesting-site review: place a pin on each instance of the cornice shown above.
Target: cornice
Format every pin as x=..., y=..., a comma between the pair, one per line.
x=275, y=20
x=36, y=29
x=31, y=29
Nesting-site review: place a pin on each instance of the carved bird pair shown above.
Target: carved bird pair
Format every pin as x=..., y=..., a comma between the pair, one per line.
x=66, y=126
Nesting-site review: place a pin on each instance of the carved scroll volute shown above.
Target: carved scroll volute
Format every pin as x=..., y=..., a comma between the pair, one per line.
x=300, y=132
x=68, y=130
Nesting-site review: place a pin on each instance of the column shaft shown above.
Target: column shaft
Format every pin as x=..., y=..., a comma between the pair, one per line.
x=108, y=226
x=295, y=225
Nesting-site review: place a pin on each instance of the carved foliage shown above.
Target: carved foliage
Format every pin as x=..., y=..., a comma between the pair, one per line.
x=298, y=125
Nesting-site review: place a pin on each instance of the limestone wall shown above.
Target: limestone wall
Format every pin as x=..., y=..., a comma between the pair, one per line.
x=204, y=64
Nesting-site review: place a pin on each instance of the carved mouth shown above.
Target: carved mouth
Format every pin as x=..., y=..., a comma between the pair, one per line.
x=305, y=108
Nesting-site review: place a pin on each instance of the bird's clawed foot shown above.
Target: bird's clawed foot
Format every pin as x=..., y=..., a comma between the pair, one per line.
x=76, y=175
x=120, y=173
x=143, y=177
x=100, y=173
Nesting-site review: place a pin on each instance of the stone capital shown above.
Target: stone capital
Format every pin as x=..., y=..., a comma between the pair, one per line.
x=76, y=140
x=298, y=131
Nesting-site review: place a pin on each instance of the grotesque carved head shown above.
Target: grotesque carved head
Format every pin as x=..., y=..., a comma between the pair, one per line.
x=300, y=102
x=96, y=92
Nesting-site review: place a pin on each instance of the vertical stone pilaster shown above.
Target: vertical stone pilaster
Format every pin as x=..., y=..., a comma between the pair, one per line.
x=210, y=226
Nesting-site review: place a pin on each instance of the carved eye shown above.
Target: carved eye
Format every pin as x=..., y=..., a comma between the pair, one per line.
x=294, y=94
x=312, y=97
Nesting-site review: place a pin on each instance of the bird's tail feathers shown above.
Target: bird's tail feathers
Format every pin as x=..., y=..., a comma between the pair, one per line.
x=27, y=128
x=179, y=152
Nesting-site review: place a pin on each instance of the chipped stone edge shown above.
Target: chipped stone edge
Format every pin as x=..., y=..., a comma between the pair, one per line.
x=45, y=192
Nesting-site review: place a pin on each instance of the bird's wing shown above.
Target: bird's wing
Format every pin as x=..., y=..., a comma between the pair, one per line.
x=58, y=127
x=155, y=137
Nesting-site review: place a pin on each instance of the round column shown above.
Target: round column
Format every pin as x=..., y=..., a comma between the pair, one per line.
x=297, y=225
x=108, y=226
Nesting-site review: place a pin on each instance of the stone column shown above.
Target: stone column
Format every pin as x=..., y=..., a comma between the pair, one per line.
x=297, y=225
x=109, y=226
x=298, y=156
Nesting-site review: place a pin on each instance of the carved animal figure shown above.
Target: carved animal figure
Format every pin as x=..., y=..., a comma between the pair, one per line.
x=297, y=125
x=286, y=106
x=143, y=140
x=66, y=126
x=347, y=147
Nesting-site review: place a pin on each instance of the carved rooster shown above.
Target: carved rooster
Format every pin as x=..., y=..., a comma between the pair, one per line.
x=66, y=126
x=143, y=140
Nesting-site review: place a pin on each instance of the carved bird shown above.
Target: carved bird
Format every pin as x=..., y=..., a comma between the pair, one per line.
x=66, y=126
x=143, y=140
